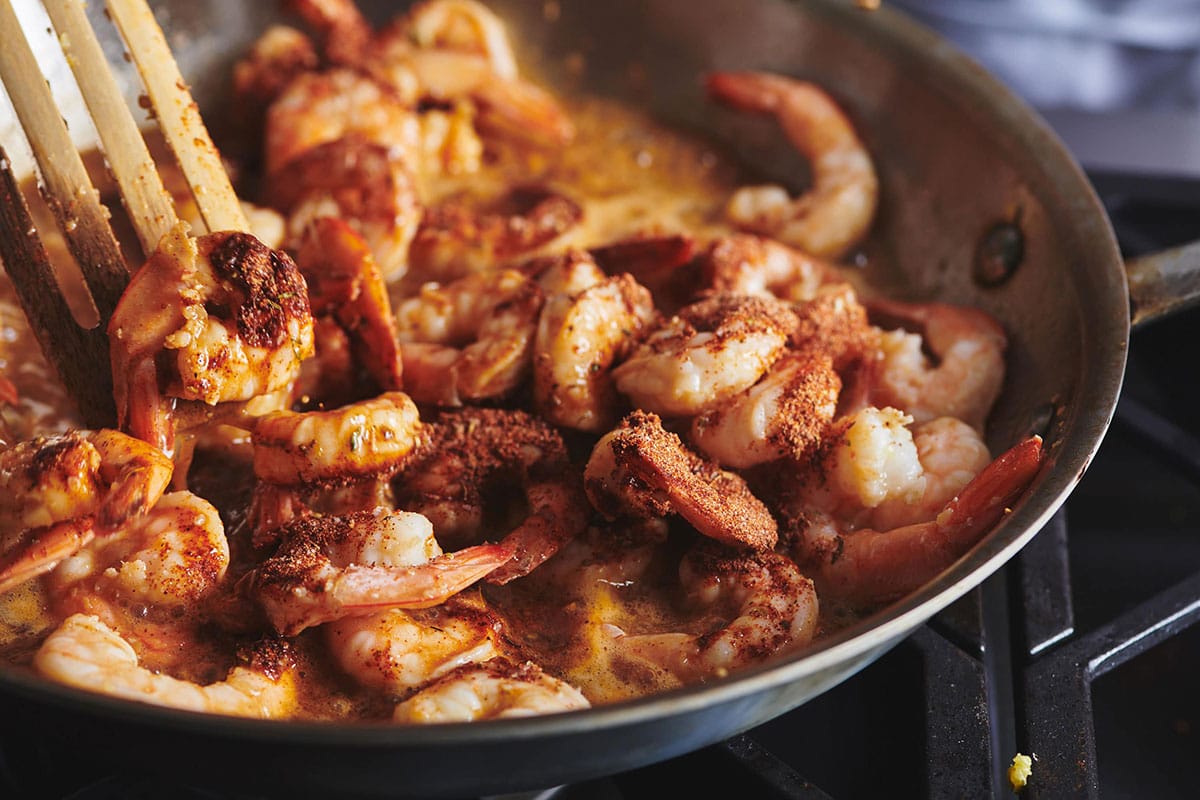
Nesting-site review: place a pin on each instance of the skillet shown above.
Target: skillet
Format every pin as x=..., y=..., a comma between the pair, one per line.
x=980, y=204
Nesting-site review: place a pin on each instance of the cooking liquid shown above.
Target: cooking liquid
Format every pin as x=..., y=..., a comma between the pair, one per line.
x=632, y=176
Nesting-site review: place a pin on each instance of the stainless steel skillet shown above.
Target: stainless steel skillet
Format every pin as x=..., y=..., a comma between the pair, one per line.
x=968, y=173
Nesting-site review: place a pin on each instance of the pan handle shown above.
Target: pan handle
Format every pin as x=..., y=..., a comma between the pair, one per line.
x=1163, y=283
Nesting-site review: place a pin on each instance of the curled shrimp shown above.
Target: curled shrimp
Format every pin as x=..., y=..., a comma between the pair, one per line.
x=275, y=59
x=744, y=264
x=87, y=654
x=214, y=319
x=475, y=454
x=172, y=556
x=567, y=273
x=360, y=182
x=464, y=26
x=457, y=237
x=495, y=689
x=641, y=469
x=951, y=454
x=344, y=283
x=579, y=338
x=866, y=567
x=969, y=345
x=399, y=650
x=491, y=317
x=329, y=568
x=707, y=353
x=443, y=51
x=59, y=493
x=363, y=439
x=839, y=207
x=322, y=107
x=748, y=607
x=785, y=414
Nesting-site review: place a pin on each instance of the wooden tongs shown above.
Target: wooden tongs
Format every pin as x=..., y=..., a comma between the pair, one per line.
x=80, y=355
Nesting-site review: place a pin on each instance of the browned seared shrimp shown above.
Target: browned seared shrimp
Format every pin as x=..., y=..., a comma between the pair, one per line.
x=495, y=689
x=838, y=209
x=707, y=353
x=329, y=568
x=750, y=265
x=965, y=382
x=784, y=415
x=641, y=469
x=335, y=447
x=59, y=493
x=866, y=567
x=345, y=284
x=214, y=319
x=479, y=454
x=457, y=237
x=321, y=107
x=749, y=606
x=470, y=339
x=86, y=653
x=443, y=51
x=277, y=58
x=361, y=182
x=579, y=338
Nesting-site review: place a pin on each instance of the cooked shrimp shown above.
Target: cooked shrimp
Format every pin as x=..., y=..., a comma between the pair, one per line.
x=516, y=109
x=867, y=459
x=951, y=453
x=344, y=283
x=172, y=556
x=321, y=107
x=579, y=337
x=328, y=568
x=745, y=264
x=215, y=319
x=866, y=567
x=750, y=607
x=58, y=493
x=707, y=353
x=496, y=689
x=457, y=238
x=363, y=183
x=87, y=654
x=567, y=273
x=836, y=323
x=445, y=50
x=665, y=264
x=466, y=26
x=498, y=311
x=344, y=33
x=966, y=380
x=839, y=207
x=642, y=470
x=450, y=145
x=336, y=446
x=398, y=650
x=475, y=453
x=277, y=58
x=784, y=415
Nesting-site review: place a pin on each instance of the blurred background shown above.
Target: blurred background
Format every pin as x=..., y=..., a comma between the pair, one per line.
x=1119, y=80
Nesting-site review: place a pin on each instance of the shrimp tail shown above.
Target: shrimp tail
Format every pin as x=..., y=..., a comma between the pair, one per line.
x=987, y=498
x=48, y=546
x=871, y=567
x=363, y=590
